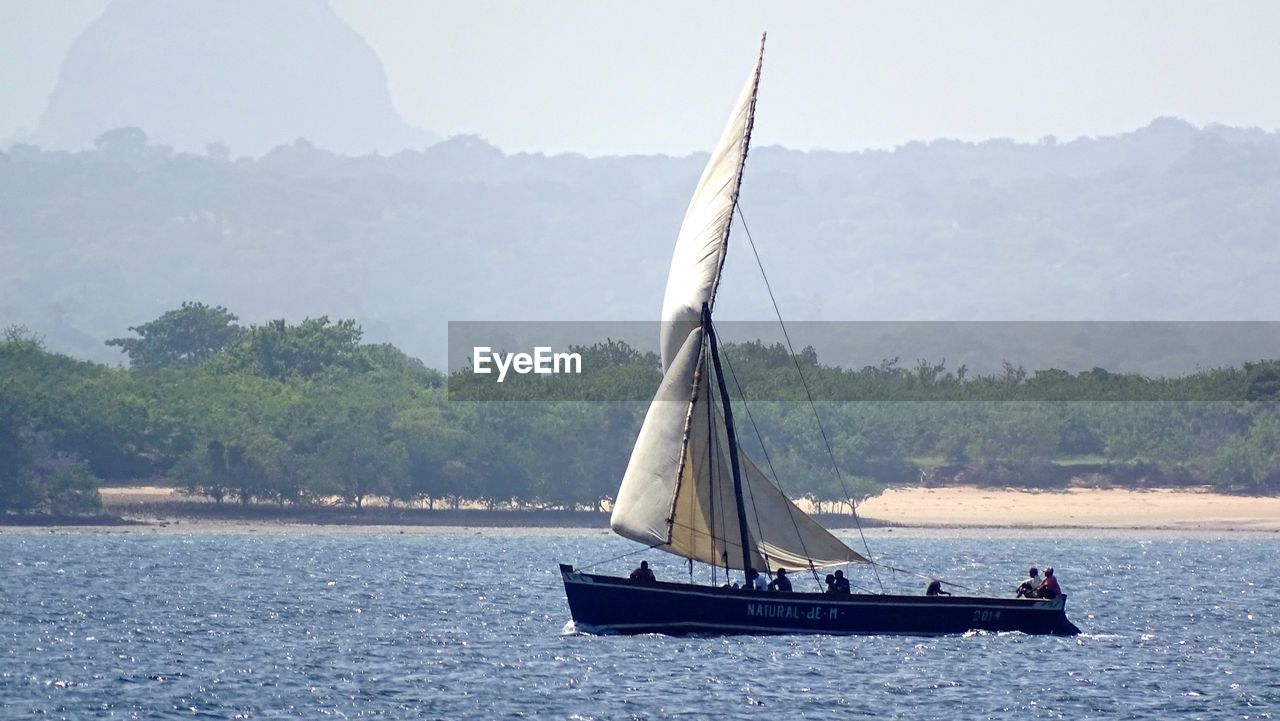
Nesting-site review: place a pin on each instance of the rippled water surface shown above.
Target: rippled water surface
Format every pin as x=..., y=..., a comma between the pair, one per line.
x=469, y=626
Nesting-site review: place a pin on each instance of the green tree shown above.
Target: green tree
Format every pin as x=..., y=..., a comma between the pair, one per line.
x=278, y=350
x=35, y=477
x=180, y=338
x=435, y=444
x=1263, y=381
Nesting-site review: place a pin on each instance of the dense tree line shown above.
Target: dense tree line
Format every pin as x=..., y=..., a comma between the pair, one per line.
x=288, y=414
x=308, y=413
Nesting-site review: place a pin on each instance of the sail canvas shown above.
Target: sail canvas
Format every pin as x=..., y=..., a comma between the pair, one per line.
x=677, y=493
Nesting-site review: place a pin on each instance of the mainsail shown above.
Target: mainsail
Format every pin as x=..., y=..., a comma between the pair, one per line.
x=676, y=494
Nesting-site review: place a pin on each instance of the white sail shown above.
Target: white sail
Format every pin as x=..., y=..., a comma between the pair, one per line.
x=677, y=493
x=704, y=233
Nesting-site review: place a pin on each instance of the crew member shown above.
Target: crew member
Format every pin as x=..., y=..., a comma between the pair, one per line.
x=643, y=574
x=1028, y=587
x=1049, y=586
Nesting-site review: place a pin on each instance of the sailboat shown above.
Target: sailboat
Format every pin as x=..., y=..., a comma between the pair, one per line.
x=689, y=488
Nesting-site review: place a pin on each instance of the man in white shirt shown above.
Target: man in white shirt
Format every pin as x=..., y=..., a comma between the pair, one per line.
x=1028, y=587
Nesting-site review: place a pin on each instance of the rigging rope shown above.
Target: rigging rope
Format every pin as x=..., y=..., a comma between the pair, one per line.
x=934, y=578
x=791, y=349
x=616, y=558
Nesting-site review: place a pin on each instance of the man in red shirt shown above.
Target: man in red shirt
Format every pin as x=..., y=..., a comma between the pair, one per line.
x=1049, y=586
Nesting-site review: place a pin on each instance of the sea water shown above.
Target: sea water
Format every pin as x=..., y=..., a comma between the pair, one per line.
x=468, y=625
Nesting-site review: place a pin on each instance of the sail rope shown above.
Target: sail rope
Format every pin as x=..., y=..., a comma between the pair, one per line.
x=769, y=462
x=853, y=506
x=620, y=557
x=930, y=577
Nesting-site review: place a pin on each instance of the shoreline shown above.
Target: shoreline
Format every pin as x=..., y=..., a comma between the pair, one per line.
x=912, y=509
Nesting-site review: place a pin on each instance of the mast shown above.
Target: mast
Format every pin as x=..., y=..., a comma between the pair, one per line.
x=733, y=441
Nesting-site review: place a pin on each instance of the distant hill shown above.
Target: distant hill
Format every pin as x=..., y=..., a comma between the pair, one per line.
x=1168, y=222
x=246, y=73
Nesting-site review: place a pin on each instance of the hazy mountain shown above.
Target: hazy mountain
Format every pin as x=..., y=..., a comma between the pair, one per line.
x=1168, y=222
x=247, y=73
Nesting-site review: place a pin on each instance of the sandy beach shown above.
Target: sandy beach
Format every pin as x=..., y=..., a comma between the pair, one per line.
x=161, y=510
x=1074, y=508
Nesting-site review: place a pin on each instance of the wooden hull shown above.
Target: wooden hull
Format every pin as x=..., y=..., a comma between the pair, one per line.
x=607, y=604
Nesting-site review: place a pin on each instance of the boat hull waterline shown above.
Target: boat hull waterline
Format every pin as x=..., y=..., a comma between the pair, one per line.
x=612, y=605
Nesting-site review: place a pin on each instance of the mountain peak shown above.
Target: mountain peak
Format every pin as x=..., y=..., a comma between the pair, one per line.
x=250, y=74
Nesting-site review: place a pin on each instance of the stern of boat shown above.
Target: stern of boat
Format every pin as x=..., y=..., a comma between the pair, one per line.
x=1064, y=626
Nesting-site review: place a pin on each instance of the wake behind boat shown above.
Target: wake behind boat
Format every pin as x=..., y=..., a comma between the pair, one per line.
x=690, y=490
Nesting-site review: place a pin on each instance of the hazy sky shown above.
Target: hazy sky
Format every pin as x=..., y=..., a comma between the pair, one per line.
x=614, y=76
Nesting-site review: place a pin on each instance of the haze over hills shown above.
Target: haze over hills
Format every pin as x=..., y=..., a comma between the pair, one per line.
x=1167, y=222
x=252, y=75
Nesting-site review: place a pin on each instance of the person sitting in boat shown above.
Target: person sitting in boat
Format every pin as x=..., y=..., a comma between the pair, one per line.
x=643, y=574
x=755, y=581
x=842, y=584
x=831, y=583
x=780, y=582
x=935, y=589
x=1028, y=587
x=1049, y=586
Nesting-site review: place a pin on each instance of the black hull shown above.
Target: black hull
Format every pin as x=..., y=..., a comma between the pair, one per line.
x=607, y=604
